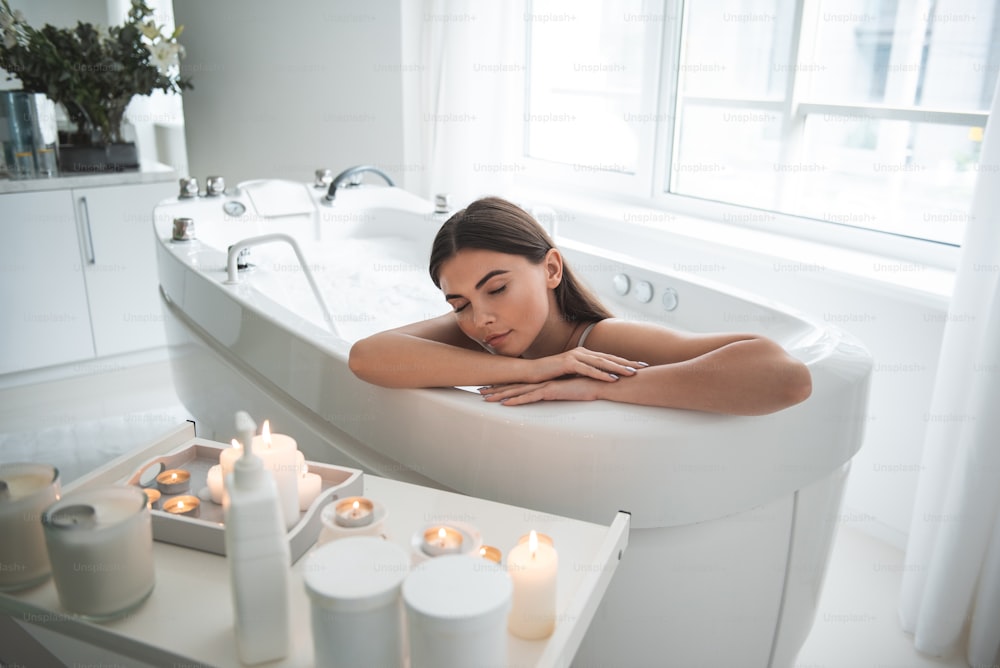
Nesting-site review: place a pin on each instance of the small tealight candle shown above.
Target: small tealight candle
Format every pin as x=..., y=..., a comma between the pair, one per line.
x=441, y=540
x=152, y=497
x=216, y=486
x=533, y=566
x=228, y=457
x=174, y=481
x=183, y=505
x=354, y=511
x=491, y=553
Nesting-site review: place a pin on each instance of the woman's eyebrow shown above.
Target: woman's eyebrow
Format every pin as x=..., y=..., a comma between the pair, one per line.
x=482, y=281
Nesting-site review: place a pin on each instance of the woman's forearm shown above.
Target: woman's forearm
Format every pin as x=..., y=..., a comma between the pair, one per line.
x=396, y=359
x=751, y=377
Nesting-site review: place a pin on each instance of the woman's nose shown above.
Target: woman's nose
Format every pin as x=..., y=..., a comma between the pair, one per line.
x=484, y=317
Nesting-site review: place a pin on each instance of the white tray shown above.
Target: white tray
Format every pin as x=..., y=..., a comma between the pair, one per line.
x=207, y=531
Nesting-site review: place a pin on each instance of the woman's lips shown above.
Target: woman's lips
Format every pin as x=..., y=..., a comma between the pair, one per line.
x=496, y=339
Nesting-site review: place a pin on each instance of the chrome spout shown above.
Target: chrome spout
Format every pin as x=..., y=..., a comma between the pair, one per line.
x=351, y=177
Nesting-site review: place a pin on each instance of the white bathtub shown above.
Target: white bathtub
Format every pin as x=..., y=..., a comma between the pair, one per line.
x=732, y=517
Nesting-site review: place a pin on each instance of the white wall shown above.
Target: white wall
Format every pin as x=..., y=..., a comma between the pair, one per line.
x=282, y=89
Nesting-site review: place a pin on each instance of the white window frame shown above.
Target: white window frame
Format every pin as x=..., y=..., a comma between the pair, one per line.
x=647, y=187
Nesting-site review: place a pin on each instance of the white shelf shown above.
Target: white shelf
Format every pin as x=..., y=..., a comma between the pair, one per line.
x=188, y=617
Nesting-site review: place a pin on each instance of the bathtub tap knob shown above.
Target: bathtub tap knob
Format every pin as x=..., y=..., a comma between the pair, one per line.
x=324, y=177
x=442, y=203
x=215, y=185
x=183, y=229
x=189, y=187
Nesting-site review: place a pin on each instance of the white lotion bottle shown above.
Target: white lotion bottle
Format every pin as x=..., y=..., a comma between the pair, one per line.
x=258, y=555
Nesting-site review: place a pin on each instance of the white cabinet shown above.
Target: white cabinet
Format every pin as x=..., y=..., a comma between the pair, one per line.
x=43, y=297
x=78, y=274
x=119, y=264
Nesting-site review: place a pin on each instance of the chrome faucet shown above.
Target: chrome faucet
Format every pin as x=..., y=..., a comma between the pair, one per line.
x=351, y=177
x=238, y=251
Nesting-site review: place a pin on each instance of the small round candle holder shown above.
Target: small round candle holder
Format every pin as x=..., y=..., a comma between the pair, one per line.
x=491, y=553
x=341, y=519
x=440, y=539
x=153, y=497
x=173, y=481
x=185, y=506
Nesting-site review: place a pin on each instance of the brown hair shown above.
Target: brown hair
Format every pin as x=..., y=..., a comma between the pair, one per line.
x=495, y=224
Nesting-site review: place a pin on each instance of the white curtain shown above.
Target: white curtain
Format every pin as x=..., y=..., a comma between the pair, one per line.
x=952, y=572
x=469, y=97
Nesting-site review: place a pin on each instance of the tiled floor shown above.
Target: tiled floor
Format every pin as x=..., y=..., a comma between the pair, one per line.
x=83, y=422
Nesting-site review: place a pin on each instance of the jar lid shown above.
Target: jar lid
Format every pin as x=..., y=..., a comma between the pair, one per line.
x=458, y=587
x=95, y=509
x=355, y=574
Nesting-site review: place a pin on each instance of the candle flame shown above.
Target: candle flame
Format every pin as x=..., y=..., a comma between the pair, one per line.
x=236, y=444
x=265, y=433
x=533, y=543
x=180, y=505
x=442, y=533
x=173, y=477
x=356, y=505
x=482, y=552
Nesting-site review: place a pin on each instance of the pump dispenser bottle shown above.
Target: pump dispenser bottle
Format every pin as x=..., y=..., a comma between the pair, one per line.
x=258, y=555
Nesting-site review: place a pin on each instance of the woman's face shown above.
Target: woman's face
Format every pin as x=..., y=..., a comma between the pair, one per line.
x=502, y=301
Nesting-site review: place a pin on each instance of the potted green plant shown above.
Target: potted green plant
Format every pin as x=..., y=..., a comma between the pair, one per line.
x=93, y=72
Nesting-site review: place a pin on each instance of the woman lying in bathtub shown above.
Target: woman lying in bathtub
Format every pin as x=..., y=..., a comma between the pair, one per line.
x=550, y=339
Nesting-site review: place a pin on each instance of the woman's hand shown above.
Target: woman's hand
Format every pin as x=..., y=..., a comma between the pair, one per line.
x=582, y=362
x=565, y=389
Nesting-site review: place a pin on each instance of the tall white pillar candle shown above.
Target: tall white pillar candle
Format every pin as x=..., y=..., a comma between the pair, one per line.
x=280, y=455
x=456, y=611
x=533, y=566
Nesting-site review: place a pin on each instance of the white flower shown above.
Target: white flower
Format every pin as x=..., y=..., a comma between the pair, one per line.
x=165, y=55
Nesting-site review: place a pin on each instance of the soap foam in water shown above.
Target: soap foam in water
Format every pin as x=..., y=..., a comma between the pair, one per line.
x=369, y=285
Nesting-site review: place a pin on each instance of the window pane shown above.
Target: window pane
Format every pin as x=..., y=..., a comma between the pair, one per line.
x=760, y=126
x=736, y=48
x=585, y=103
x=930, y=53
x=914, y=179
x=727, y=154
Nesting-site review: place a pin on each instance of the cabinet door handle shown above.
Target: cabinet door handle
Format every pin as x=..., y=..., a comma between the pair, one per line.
x=91, y=258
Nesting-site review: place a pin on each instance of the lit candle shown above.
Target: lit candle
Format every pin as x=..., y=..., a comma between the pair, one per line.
x=216, y=484
x=182, y=505
x=310, y=485
x=228, y=457
x=351, y=517
x=174, y=481
x=280, y=455
x=491, y=553
x=152, y=497
x=533, y=566
x=355, y=511
x=442, y=540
